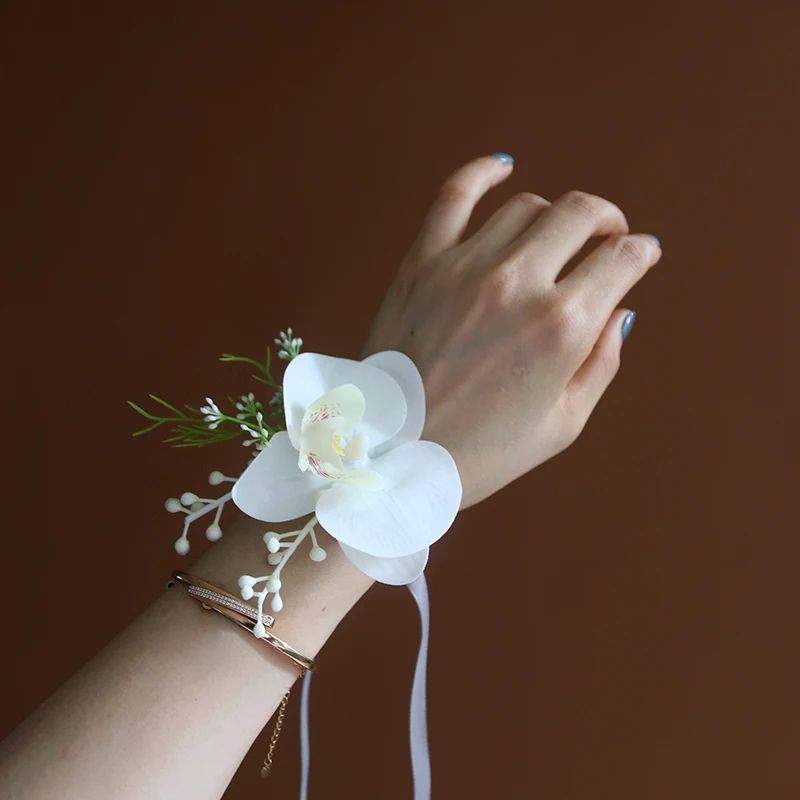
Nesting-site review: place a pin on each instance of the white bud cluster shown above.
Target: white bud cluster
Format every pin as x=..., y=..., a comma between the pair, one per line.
x=279, y=552
x=261, y=436
x=290, y=346
x=213, y=415
x=195, y=507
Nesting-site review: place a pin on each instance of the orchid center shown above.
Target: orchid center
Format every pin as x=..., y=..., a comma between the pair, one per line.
x=329, y=444
x=337, y=444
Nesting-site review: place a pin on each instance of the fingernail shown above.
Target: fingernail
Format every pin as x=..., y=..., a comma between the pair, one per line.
x=627, y=324
x=654, y=237
x=504, y=157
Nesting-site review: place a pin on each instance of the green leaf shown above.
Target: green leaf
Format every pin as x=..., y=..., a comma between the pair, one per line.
x=151, y=428
x=201, y=443
x=192, y=431
x=241, y=359
x=141, y=411
x=167, y=405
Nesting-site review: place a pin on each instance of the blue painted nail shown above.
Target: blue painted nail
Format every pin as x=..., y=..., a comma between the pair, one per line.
x=654, y=237
x=627, y=324
x=504, y=157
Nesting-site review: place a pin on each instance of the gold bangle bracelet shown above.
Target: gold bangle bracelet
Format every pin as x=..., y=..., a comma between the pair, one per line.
x=243, y=614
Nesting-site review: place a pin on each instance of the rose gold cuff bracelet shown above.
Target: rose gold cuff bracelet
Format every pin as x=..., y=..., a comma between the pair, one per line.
x=235, y=609
x=243, y=614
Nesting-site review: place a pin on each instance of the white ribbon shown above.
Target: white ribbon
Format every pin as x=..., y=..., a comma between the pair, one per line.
x=418, y=716
x=305, y=750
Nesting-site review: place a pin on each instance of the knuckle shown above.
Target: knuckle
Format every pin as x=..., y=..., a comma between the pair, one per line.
x=564, y=321
x=586, y=205
x=631, y=252
x=501, y=285
x=561, y=330
x=592, y=208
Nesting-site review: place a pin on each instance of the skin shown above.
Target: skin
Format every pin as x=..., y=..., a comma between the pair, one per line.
x=513, y=361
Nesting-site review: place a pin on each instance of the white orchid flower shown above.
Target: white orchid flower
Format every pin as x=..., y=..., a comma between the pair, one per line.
x=352, y=454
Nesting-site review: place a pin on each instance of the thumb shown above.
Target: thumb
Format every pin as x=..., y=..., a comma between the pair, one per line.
x=601, y=366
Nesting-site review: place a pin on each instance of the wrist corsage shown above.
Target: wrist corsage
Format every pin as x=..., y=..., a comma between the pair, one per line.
x=339, y=438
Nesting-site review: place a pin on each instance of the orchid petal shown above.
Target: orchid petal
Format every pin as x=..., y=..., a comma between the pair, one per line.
x=345, y=401
x=417, y=505
x=311, y=375
x=272, y=489
x=394, y=571
x=405, y=372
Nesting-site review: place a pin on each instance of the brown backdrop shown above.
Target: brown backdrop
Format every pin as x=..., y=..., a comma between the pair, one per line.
x=187, y=180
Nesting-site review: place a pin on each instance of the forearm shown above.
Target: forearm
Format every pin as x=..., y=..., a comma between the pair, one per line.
x=171, y=706
x=506, y=361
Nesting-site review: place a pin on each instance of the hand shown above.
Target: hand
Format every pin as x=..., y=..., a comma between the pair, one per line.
x=512, y=359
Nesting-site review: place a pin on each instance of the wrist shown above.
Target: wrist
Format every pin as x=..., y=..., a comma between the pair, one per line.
x=317, y=595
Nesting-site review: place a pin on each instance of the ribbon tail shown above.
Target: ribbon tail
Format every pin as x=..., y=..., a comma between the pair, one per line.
x=305, y=749
x=418, y=718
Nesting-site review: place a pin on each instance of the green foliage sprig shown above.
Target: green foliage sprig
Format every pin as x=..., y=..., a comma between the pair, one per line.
x=210, y=425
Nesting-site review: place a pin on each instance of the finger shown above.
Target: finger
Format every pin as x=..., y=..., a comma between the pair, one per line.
x=593, y=377
x=448, y=218
x=600, y=282
x=564, y=228
x=507, y=223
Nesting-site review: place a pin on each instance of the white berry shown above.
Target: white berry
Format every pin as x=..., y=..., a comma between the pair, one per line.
x=213, y=532
x=182, y=546
x=317, y=554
